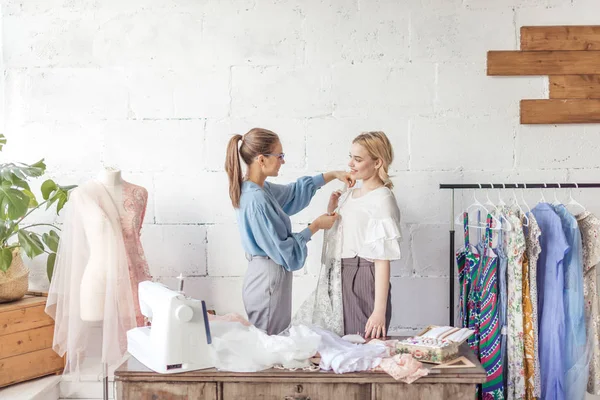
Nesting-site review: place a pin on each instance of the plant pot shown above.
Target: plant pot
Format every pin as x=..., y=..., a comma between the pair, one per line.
x=14, y=283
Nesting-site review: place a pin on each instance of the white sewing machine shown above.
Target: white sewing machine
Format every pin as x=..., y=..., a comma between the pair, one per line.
x=179, y=337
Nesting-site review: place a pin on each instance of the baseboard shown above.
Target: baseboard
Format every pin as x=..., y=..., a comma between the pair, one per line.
x=45, y=388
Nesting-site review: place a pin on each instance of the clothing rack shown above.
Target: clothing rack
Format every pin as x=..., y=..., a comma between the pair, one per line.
x=462, y=186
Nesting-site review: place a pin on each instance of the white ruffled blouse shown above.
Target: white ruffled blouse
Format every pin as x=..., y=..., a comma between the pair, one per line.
x=371, y=226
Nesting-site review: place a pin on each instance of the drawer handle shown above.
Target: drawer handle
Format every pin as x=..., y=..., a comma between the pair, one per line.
x=299, y=389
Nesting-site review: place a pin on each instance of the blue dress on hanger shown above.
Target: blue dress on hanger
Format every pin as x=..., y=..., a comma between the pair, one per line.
x=551, y=312
x=575, y=353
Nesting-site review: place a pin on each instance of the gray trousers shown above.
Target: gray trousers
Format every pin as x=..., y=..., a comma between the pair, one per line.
x=267, y=295
x=358, y=295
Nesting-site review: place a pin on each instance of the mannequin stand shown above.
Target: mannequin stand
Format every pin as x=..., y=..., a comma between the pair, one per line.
x=105, y=381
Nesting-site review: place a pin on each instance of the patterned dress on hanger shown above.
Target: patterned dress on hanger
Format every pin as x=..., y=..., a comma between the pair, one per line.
x=500, y=249
x=590, y=234
x=482, y=314
x=530, y=315
x=467, y=259
x=514, y=245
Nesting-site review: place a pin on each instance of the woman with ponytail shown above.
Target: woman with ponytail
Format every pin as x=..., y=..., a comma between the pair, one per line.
x=368, y=239
x=263, y=209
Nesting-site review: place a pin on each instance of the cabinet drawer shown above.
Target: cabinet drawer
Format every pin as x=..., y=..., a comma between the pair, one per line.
x=166, y=391
x=424, y=391
x=296, y=391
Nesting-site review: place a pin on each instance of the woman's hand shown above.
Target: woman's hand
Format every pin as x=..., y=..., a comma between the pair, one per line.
x=375, y=327
x=324, y=221
x=345, y=177
x=333, y=201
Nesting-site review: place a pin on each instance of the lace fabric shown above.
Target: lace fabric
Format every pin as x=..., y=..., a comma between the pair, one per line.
x=323, y=307
x=135, y=199
x=589, y=225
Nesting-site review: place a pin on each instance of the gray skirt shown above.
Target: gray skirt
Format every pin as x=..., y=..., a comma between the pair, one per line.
x=267, y=295
x=358, y=295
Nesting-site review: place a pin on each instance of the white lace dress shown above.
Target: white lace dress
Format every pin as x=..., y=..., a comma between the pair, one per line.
x=323, y=307
x=589, y=225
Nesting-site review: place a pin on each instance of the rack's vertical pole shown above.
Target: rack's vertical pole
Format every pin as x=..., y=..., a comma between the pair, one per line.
x=451, y=261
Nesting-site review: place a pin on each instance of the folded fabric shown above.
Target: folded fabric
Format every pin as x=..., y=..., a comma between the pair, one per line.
x=449, y=333
x=340, y=356
x=403, y=367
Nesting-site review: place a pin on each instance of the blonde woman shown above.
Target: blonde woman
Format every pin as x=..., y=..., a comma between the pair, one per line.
x=370, y=221
x=354, y=292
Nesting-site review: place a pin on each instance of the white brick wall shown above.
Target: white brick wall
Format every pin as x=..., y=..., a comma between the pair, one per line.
x=157, y=87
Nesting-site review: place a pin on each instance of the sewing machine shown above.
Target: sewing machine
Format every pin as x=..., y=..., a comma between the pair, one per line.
x=179, y=337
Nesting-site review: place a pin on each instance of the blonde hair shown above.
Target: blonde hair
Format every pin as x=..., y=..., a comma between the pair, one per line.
x=379, y=147
x=255, y=142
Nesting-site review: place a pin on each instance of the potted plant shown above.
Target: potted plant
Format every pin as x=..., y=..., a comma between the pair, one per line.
x=17, y=202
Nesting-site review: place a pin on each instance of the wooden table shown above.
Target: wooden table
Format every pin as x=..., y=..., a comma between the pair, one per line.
x=136, y=382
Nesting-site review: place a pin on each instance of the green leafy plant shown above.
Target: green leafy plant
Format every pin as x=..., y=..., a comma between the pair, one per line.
x=17, y=202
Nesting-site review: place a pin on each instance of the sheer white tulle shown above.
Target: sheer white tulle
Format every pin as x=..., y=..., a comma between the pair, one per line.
x=239, y=348
x=91, y=249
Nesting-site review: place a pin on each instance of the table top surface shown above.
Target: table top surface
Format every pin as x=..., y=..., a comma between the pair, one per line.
x=134, y=370
x=24, y=302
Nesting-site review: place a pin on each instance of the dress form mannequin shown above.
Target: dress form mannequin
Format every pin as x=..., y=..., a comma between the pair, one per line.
x=130, y=201
x=91, y=287
x=113, y=182
x=93, y=282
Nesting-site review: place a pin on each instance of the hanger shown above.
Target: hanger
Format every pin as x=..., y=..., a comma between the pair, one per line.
x=573, y=202
x=543, y=199
x=523, y=213
x=523, y=198
x=556, y=200
x=343, y=191
x=500, y=201
x=504, y=225
x=477, y=204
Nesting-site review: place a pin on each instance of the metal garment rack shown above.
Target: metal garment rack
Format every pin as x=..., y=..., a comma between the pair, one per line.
x=463, y=186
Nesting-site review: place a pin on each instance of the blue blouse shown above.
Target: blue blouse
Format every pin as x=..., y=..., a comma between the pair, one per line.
x=264, y=222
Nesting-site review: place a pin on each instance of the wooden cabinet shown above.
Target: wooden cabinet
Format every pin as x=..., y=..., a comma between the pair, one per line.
x=136, y=382
x=26, y=333
x=425, y=391
x=167, y=391
x=295, y=391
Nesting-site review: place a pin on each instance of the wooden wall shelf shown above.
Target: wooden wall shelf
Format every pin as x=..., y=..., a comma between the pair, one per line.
x=570, y=56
